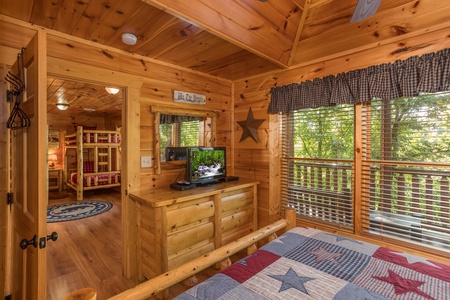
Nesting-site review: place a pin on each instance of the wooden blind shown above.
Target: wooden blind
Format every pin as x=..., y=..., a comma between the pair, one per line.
x=317, y=164
x=190, y=133
x=182, y=134
x=406, y=170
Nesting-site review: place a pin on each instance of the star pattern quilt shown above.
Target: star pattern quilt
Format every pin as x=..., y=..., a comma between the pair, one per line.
x=306, y=263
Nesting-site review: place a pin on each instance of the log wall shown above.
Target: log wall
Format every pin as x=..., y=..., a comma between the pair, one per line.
x=159, y=82
x=150, y=82
x=260, y=160
x=256, y=160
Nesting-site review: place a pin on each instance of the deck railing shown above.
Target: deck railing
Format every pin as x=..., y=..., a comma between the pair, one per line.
x=323, y=191
x=417, y=193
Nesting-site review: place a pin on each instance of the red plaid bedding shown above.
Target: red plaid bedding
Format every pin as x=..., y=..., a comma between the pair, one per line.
x=102, y=179
x=102, y=138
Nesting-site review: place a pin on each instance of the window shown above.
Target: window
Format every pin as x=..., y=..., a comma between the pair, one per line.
x=182, y=134
x=406, y=169
x=180, y=127
x=317, y=164
x=402, y=172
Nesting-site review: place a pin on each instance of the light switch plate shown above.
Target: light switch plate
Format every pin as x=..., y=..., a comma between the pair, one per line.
x=146, y=161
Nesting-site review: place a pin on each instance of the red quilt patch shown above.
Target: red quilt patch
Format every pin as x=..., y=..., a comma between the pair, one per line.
x=248, y=267
x=428, y=267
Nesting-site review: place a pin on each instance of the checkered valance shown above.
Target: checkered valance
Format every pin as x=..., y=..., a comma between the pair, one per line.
x=170, y=119
x=428, y=73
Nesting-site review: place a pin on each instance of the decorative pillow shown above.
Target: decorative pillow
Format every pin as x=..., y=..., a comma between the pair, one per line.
x=88, y=166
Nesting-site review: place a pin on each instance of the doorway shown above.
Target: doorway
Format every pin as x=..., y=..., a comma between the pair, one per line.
x=88, y=252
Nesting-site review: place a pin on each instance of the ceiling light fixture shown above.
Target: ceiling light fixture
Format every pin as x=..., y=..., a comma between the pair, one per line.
x=129, y=39
x=62, y=106
x=112, y=90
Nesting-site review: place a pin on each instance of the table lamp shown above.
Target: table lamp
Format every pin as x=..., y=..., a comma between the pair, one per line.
x=51, y=160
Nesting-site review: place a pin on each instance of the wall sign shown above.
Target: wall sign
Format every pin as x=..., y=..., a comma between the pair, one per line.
x=53, y=139
x=185, y=97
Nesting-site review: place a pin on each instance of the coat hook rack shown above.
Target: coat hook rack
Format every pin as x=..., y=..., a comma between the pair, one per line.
x=18, y=118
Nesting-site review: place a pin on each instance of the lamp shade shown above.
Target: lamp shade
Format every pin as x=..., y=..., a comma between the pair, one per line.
x=62, y=106
x=129, y=39
x=112, y=90
x=51, y=160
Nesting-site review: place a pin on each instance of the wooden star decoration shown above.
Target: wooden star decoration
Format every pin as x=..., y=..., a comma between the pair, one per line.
x=249, y=126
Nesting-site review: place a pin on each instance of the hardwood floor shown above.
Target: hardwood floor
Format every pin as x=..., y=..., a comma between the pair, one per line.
x=88, y=253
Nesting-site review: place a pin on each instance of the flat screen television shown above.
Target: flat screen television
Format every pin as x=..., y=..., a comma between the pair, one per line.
x=206, y=165
x=175, y=153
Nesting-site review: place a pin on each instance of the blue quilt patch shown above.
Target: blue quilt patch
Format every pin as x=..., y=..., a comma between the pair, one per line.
x=329, y=258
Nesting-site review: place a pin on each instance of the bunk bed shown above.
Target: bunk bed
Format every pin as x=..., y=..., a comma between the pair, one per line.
x=306, y=263
x=97, y=155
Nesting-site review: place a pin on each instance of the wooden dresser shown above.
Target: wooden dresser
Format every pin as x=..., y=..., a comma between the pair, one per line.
x=177, y=226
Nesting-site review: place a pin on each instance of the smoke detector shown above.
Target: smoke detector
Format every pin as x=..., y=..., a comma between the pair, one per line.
x=129, y=39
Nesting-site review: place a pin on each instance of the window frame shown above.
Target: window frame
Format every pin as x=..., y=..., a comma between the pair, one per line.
x=362, y=183
x=157, y=110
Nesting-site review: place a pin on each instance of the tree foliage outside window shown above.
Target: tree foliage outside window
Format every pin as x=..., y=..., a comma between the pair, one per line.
x=419, y=129
x=190, y=132
x=403, y=171
x=325, y=133
x=184, y=134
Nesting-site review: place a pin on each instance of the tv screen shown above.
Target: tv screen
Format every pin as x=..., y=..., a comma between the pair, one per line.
x=206, y=164
x=175, y=153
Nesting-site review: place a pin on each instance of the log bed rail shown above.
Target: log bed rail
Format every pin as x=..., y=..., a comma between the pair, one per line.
x=161, y=283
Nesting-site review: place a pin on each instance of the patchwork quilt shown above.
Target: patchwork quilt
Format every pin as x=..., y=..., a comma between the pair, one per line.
x=306, y=263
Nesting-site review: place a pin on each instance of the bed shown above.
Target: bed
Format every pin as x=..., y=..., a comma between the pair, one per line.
x=306, y=263
x=96, y=155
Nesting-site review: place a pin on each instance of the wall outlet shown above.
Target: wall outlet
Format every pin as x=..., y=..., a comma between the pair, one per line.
x=146, y=161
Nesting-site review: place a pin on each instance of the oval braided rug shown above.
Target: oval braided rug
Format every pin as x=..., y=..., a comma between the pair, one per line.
x=76, y=210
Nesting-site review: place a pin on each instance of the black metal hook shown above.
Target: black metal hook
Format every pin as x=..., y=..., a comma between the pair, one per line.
x=18, y=118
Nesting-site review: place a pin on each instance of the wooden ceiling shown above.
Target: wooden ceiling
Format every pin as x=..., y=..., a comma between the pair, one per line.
x=234, y=39
x=82, y=98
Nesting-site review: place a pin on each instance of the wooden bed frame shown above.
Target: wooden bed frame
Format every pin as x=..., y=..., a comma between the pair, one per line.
x=158, y=285
x=101, y=146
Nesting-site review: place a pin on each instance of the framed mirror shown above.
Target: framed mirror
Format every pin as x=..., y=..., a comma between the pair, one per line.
x=176, y=128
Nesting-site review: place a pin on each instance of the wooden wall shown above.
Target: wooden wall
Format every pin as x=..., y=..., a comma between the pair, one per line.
x=159, y=79
x=257, y=160
x=260, y=160
x=155, y=92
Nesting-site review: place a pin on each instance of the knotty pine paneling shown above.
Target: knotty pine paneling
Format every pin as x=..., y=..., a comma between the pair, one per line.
x=160, y=80
x=218, y=98
x=325, y=38
x=253, y=159
x=235, y=21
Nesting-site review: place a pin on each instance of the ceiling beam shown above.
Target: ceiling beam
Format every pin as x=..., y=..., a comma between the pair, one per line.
x=299, y=31
x=218, y=19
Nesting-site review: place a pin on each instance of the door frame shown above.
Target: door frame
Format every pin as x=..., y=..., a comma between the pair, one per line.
x=130, y=172
x=5, y=255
